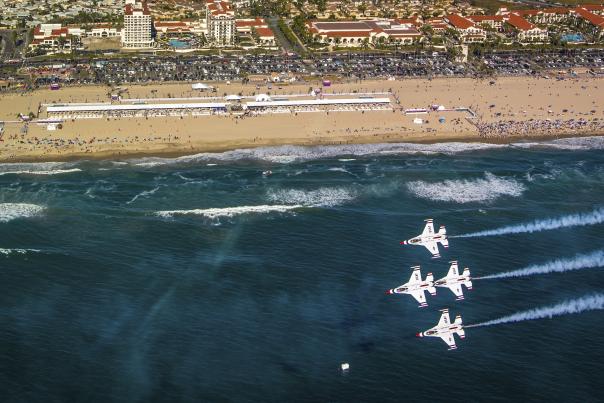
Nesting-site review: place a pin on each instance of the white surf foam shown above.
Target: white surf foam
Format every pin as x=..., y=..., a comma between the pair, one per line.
x=573, y=220
x=37, y=168
x=288, y=154
x=571, y=143
x=323, y=197
x=230, y=211
x=484, y=189
x=587, y=303
x=342, y=170
x=145, y=193
x=150, y=164
x=7, y=252
x=12, y=211
x=582, y=261
x=53, y=172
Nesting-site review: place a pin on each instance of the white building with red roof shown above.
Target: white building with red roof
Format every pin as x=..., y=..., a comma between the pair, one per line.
x=137, y=32
x=220, y=23
x=492, y=21
x=527, y=32
x=357, y=33
x=191, y=26
x=265, y=36
x=245, y=25
x=468, y=31
x=590, y=20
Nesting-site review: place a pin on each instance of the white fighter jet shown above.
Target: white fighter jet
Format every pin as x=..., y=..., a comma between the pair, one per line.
x=416, y=287
x=445, y=329
x=429, y=239
x=453, y=280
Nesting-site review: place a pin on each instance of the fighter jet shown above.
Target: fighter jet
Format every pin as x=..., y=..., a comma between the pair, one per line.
x=429, y=239
x=416, y=287
x=453, y=280
x=445, y=329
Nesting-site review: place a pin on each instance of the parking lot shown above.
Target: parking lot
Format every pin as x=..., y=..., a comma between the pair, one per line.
x=143, y=69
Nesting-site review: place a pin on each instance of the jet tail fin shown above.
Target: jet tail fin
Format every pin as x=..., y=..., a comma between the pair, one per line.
x=458, y=320
x=442, y=230
x=430, y=278
x=461, y=333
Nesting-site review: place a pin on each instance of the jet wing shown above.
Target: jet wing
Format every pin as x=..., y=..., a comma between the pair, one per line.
x=453, y=270
x=419, y=296
x=444, y=319
x=416, y=276
x=456, y=288
x=449, y=339
x=433, y=248
x=428, y=229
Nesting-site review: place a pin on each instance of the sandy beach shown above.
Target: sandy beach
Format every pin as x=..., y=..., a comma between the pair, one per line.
x=507, y=109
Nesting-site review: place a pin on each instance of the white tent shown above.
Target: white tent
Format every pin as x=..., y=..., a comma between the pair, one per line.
x=418, y=121
x=262, y=98
x=200, y=86
x=232, y=98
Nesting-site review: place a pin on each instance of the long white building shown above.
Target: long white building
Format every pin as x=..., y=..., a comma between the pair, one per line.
x=137, y=26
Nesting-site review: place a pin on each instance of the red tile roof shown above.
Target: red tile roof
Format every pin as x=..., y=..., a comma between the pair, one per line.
x=520, y=23
x=130, y=9
x=482, y=18
x=593, y=7
x=265, y=32
x=591, y=17
x=250, y=23
x=459, y=22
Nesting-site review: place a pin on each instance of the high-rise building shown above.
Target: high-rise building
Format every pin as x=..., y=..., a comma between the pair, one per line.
x=220, y=22
x=137, y=32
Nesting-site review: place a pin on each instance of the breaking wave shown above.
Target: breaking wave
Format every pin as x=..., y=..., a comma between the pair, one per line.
x=145, y=193
x=583, y=261
x=587, y=303
x=37, y=168
x=467, y=190
x=285, y=201
x=12, y=211
x=53, y=172
x=323, y=197
x=571, y=143
x=573, y=220
x=289, y=154
x=8, y=252
x=230, y=211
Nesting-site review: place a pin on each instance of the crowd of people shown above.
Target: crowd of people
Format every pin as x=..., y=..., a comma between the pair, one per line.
x=505, y=128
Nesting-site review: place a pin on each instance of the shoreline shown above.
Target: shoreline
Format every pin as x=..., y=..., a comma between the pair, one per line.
x=122, y=156
x=508, y=110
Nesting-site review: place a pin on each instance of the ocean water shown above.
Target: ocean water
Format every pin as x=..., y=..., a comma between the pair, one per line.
x=199, y=279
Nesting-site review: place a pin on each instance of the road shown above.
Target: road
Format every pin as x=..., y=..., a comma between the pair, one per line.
x=8, y=45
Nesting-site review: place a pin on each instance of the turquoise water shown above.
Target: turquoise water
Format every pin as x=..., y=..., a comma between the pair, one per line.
x=175, y=43
x=200, y=279
x=573, y=38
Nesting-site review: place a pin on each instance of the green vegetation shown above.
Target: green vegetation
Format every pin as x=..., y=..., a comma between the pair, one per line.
x=89, y=18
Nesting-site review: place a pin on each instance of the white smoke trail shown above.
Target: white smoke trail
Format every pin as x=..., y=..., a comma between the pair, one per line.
x=584, y=261
x=587, y=303
x=573, y=220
